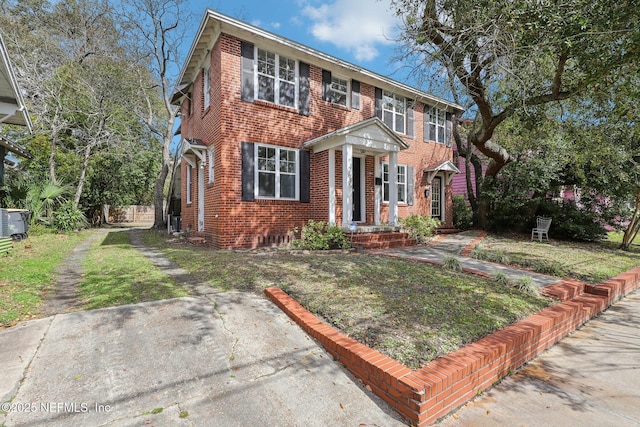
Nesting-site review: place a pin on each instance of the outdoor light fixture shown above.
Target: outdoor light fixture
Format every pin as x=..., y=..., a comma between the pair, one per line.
x=426, y=192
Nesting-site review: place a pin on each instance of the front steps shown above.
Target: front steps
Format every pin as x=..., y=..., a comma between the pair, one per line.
x=381, y=240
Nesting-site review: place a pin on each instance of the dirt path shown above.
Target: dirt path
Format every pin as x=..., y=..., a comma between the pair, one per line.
x=64, y=297
x=180, y=275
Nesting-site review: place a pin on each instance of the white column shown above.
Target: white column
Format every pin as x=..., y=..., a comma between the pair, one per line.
x=393, y=188
x=347, y=184
x=332, y=187
x=377, y=200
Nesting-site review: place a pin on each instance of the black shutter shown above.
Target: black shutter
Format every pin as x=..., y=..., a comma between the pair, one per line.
x=448, y=130
x=326, y=85
x=410, y=186
x=305, y=176
x=355, y=94
x=246, y=50
x=304, y=97
x=410, y=105
x=379, y=103
x=248, y=172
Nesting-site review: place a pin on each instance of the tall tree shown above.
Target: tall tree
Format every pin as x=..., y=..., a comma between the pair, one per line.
x=156, y=32
x=507, y=56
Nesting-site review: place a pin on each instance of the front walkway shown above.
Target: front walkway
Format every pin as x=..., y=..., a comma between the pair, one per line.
x=591, y=378
x=453, y=245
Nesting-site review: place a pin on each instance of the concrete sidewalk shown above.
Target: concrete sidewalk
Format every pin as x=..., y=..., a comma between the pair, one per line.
x=229, y=359
x=452, y=245
x=591, y=378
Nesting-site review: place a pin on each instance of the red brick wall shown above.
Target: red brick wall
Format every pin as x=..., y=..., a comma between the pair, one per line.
x=431, y=392
x=231, y=222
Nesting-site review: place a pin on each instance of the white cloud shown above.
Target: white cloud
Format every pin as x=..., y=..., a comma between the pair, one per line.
x=358, y=26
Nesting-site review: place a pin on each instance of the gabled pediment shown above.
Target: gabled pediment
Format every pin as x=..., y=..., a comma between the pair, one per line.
x=370, y=135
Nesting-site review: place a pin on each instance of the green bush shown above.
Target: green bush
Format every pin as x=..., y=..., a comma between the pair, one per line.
x=420, y=227
x=462, y=214
x=572, y=222
x=318, y=235
x=67, y=218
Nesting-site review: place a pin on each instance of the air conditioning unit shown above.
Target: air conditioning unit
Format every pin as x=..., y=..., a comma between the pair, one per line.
x=4, y=223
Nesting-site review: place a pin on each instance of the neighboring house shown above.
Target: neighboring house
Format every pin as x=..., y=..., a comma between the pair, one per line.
x=276, y=133
x=12, y=110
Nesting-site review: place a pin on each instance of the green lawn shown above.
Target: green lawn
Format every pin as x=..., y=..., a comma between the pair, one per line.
x=27, y=272
x=115, y=273
x=413, y=312
x=589, y=262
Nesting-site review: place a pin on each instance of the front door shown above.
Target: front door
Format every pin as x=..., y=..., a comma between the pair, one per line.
x=357, y=190
x=436, y=197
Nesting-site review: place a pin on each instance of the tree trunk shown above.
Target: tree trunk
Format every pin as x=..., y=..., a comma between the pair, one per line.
x=158, y=198
x=52, y=158
x=83, y=175
x=633, y=227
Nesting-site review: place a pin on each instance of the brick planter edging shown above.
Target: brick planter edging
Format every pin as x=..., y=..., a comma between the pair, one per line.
x=426, y=394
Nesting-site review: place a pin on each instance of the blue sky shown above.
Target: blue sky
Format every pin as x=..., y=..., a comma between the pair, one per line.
x=357, y=31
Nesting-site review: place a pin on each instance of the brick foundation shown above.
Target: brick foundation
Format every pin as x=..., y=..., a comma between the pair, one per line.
x=431, y=392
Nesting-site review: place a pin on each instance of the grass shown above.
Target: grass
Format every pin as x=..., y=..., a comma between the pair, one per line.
x=115, y=273
x=28, y=271
x=588, y=262
x=410, y=311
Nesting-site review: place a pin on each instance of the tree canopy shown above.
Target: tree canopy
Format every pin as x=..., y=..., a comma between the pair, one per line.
x=505, y=57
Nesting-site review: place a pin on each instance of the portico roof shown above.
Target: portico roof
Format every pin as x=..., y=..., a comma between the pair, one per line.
x=12, y=107
x=371, y=135
x=447, y=167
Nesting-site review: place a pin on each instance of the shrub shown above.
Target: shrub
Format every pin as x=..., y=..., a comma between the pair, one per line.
x=462, y=214
x=526, y=285
x=572, y=222
x=67, y=218
x=451, y=263
x=317, y=235
x=420, y=227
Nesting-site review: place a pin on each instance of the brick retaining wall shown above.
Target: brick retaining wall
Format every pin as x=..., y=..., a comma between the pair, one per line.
x=431, y=392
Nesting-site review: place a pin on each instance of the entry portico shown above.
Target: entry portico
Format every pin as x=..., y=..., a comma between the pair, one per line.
x=370, y=137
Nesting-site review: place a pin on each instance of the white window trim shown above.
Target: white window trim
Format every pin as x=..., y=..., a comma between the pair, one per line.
x=277, y=173
x=347, y=95
x=394, y=112
x=206, y=87
x=189, y=184
x=210, y=164
x=440, y=127
x=398, y=183
x=276, y=85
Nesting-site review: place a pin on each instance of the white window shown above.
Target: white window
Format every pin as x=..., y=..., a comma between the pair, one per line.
x=435, y=122
x=394, y=111
x=276, y=78
x=277, y=172
x=206, y=87
x=339, y=91
x=210, y=164
x=401, y=181
x=189, y=172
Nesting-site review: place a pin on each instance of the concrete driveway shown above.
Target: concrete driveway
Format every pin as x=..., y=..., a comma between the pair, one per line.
x=228, y=359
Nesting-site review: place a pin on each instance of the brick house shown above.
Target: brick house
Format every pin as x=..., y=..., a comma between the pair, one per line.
x=275, y=133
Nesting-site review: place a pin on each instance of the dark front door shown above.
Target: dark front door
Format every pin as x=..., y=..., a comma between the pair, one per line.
x=436, y=197
x=357, y=190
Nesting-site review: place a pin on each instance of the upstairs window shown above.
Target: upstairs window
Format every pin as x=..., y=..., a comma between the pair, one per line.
x=206, y=87
x=276, y=78
x=435, y=121
x=394, y=111
x=339, y=91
